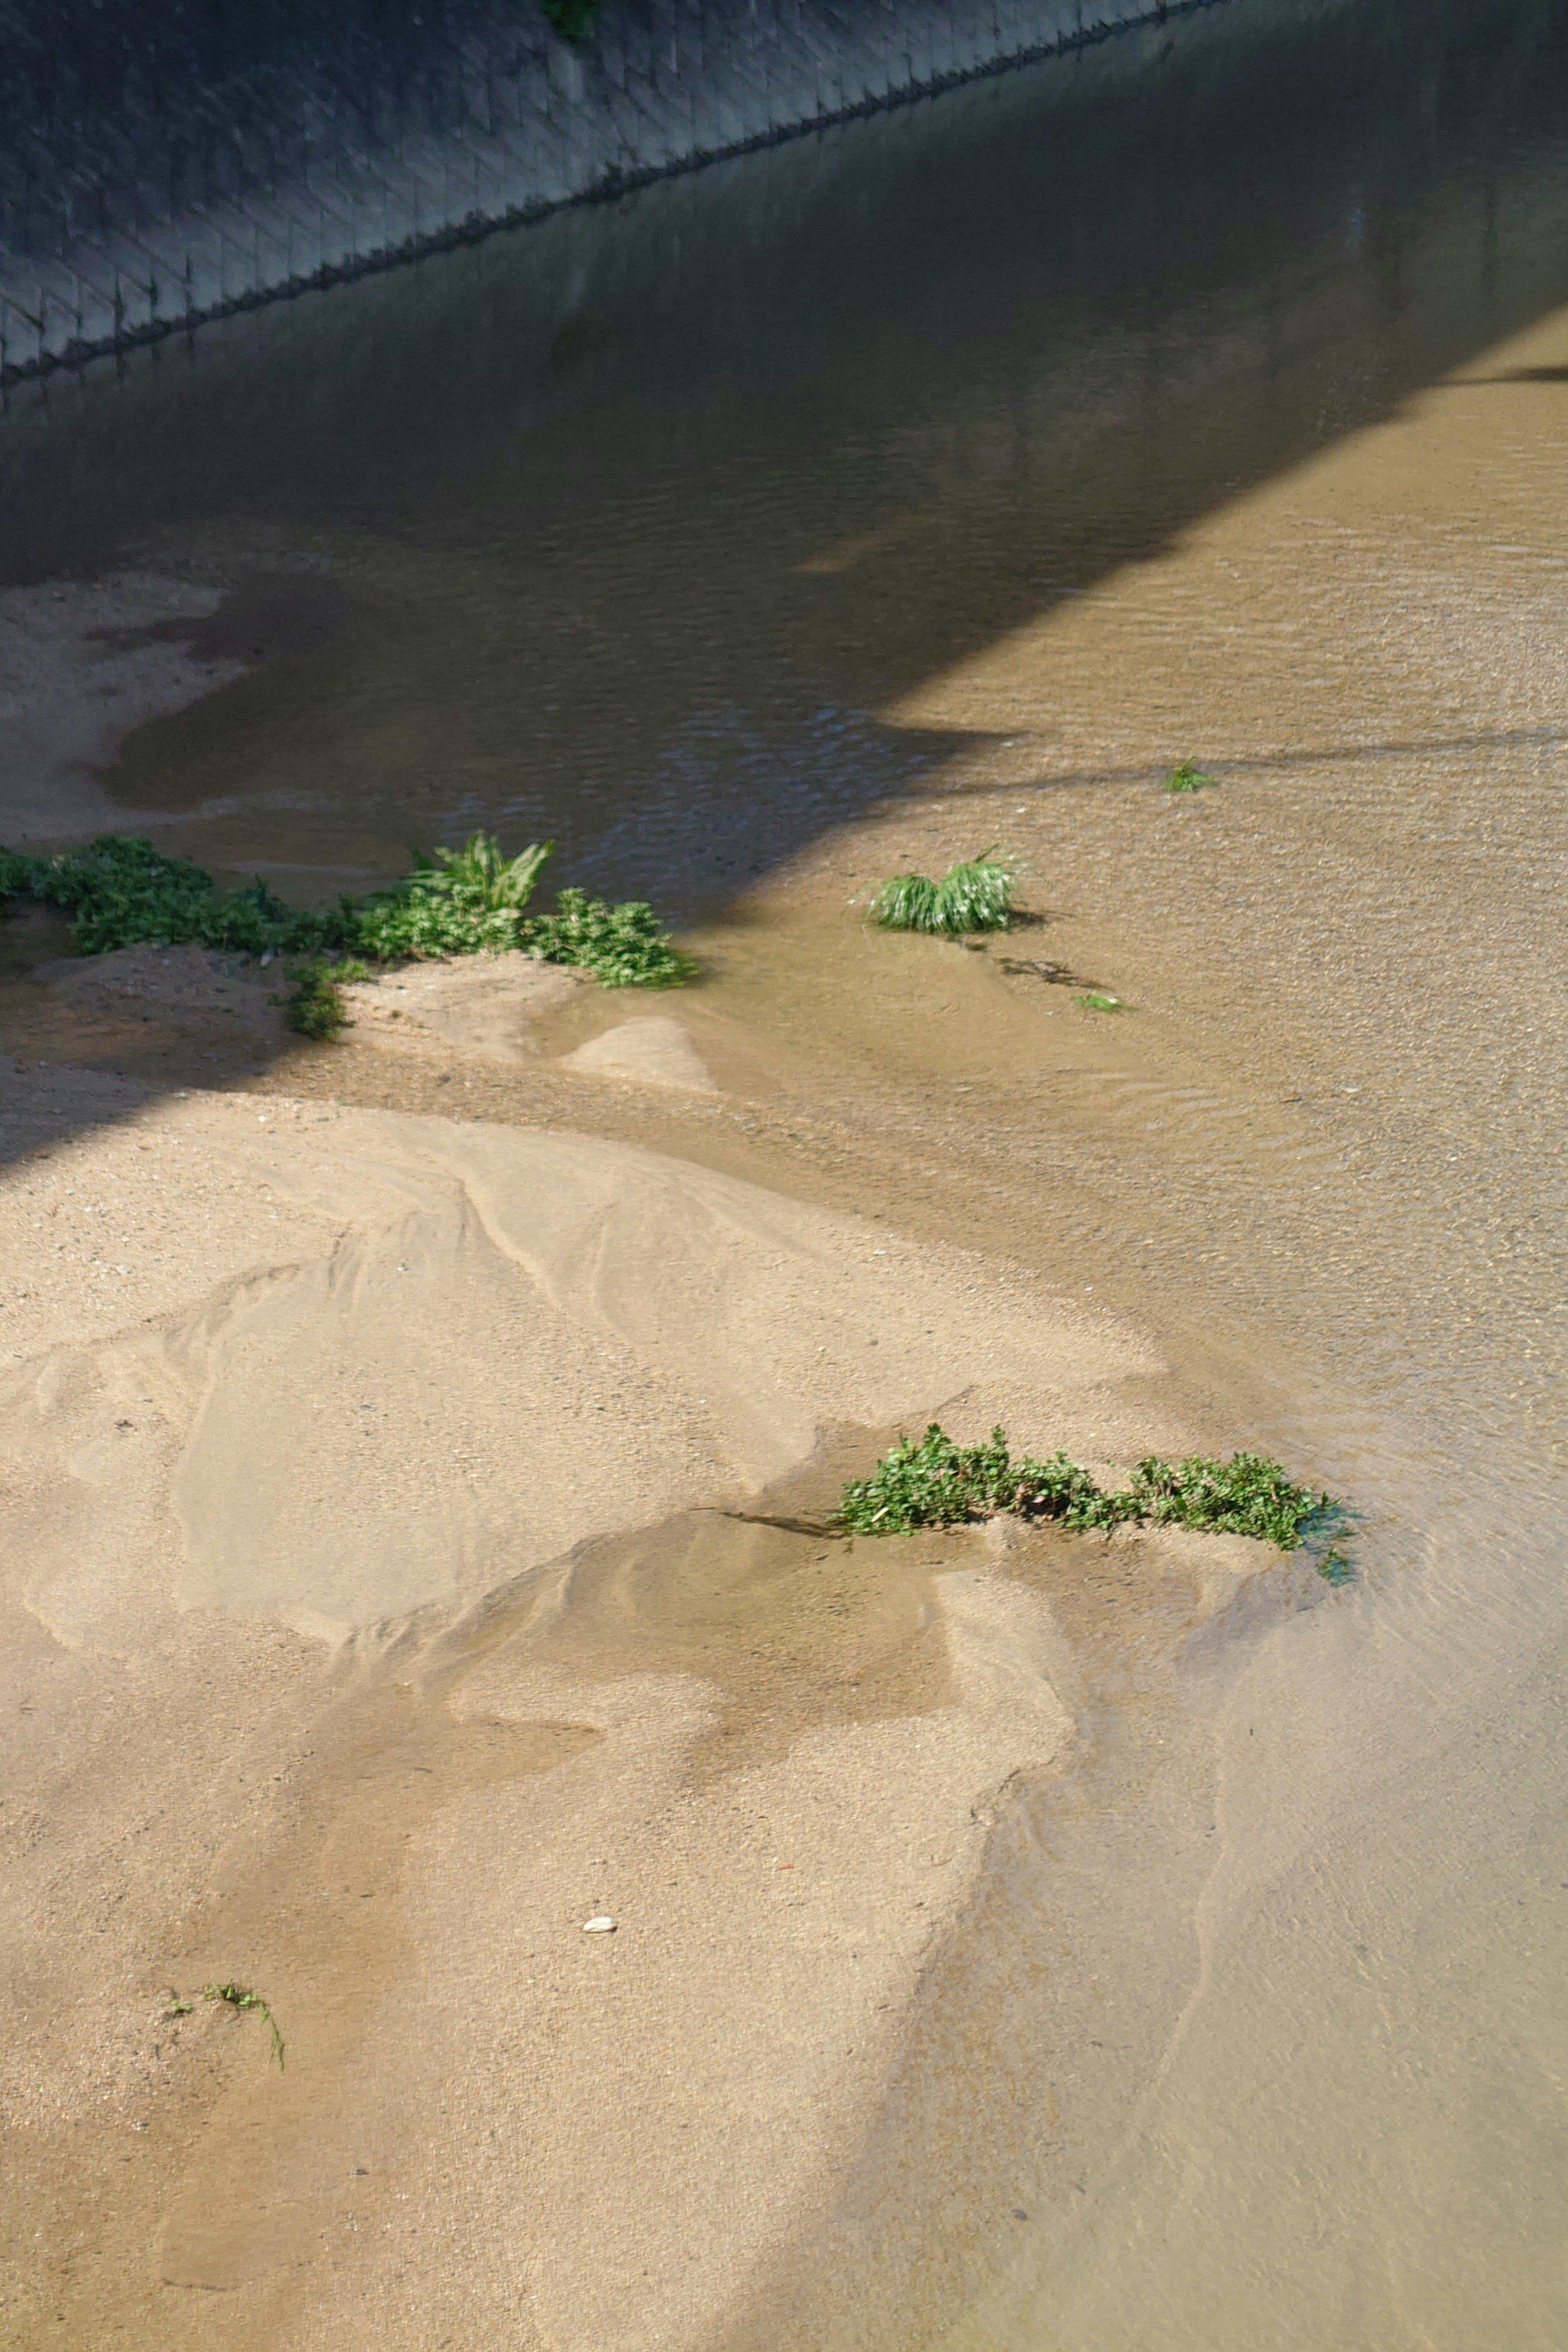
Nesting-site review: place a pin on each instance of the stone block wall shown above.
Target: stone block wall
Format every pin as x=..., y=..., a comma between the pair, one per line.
x=166, y=165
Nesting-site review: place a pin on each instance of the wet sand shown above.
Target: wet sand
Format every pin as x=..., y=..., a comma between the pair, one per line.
x=1020, y=1942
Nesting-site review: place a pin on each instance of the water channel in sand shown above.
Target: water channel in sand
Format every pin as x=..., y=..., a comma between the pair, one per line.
x=938, y=486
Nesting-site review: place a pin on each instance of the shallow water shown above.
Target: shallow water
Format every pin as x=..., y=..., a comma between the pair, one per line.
x=943, y=483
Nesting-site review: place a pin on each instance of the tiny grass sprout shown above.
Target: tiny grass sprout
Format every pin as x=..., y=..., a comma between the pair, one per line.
x=973, y=895
x=1335, y=1568
x=239, y=1997
x=1096, y=1000
x=178, y=2008
x=121, y=892
x=1186, y=777
x=936, y=1484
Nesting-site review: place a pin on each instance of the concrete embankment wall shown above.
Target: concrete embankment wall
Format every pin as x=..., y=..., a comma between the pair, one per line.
x=164, y=165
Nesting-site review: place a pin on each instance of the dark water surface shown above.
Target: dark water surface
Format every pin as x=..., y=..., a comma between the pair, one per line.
x=1208, y=393
x=629, y=529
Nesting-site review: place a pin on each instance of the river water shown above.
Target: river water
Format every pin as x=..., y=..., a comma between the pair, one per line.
x=952, y=477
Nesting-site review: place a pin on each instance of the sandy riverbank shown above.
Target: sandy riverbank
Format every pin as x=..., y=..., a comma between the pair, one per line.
x=1247, y=2029
x=373, y=1620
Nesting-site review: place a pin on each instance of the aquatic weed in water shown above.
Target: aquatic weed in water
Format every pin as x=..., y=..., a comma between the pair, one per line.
x=481, y=873
x=455, y=902
x=574, y=19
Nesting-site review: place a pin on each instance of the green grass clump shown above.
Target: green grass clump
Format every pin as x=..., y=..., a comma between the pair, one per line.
x=974, y=896
x=479, y=873
x=239, y=1997
x=1098, y=999
x=936, y=1484
x=121, y=892
x=402, y=924
x=1248, y=1496
x=1186, y=777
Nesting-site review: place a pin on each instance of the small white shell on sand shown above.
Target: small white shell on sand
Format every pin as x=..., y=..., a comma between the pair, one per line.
x=598, y=1926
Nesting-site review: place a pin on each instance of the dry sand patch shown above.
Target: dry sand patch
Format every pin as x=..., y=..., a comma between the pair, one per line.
x=484, y=1007
x=325, y=1584
x=651, y=1048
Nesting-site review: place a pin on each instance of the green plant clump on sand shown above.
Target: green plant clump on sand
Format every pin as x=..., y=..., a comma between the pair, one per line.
x=976, y=896
x=121, y=892
x=936, y=1484
x=314, y=1004
x=624, y=946
x=458, y=902
x=1186, y=777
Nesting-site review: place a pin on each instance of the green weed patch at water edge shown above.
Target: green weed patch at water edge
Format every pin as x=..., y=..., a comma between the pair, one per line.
x=458, y=902
x=121, y=892
x=936, y=1484
x=623, y=946
x=974, y=896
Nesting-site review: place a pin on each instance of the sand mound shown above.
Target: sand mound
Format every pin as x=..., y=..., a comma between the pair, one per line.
x=482, y=1007
x=515, y=1340
x=651, y=1047
x=139, y=996
x=399, y=1383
